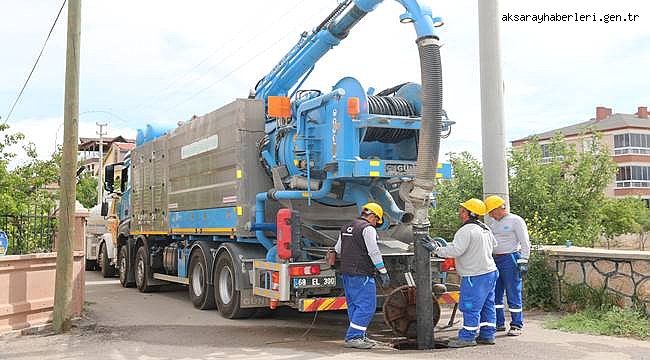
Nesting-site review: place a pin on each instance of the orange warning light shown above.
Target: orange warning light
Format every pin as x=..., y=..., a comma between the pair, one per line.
x=279, y=107
x=353, y=106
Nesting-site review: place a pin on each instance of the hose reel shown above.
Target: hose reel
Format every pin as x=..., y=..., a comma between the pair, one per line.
x=391, y=106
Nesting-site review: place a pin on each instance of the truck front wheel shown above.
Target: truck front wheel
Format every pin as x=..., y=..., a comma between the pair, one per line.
x=104, y=262
x=201, y=294
x=142, y=271
x=225, y=293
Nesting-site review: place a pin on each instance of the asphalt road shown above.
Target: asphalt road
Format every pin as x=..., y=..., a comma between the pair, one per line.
x=165, y=325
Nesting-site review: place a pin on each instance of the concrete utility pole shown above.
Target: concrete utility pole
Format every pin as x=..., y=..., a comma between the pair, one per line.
x=100, y=171
x=495, y=168
x=65, y=239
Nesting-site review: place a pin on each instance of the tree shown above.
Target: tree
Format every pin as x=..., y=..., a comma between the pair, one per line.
x=23, y=188
x=620, y=216
x=87, y=190
x=466, y=183
x=642, y=227
x=560, y=195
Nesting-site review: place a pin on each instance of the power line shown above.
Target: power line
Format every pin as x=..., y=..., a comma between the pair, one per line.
x=35, y=63
x=108, y=113
x=157, y=98
x=227, y=75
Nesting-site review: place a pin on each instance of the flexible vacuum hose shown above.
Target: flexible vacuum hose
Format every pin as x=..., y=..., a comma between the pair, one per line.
x=431, y=125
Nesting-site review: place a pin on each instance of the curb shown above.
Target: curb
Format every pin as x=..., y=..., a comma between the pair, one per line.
x=81, y=323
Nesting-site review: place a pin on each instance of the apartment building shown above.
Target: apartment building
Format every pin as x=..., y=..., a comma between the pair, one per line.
x=628, y=138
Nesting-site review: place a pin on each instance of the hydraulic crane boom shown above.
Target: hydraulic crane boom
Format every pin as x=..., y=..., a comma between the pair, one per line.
x=301, y=59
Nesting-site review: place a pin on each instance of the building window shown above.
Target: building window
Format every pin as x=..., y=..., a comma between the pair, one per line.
x=547, y=156
x=632, y=144
x=633, y=176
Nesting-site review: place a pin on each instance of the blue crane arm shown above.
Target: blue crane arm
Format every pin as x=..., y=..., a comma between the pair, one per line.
x=301, y=59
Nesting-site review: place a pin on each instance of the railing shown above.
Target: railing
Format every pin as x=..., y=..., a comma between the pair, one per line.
x=633, y=184
x=632, y=150
x=29, y=233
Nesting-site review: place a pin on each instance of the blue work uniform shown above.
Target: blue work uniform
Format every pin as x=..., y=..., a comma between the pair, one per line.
x=360, y=258
x=513, y=244
x=472, y=249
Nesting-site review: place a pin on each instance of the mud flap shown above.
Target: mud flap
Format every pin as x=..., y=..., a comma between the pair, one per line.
x=248, y=300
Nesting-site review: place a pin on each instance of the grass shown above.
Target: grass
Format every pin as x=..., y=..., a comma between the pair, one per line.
x=615, y=321
x=597, y=312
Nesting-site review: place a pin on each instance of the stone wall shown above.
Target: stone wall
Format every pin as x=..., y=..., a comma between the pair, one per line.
x=625, y=273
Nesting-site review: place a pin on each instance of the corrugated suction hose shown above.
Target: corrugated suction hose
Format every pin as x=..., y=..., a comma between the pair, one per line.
x=431, y=126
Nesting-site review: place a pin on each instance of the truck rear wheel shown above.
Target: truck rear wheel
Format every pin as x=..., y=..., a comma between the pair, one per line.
x=225, y=293
x=104, y=262
x=201, y=294
x=142, y=271
x=125, y=267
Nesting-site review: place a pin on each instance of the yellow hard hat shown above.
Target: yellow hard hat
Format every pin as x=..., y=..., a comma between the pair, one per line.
x=376, y=210
x=492, y=202
x=474, y=205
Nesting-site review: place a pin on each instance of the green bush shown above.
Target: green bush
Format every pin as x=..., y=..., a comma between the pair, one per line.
x=582, y=297
x=538, y=285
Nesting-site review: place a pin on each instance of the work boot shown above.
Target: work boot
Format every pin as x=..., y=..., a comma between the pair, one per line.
x=514, y=331
x=358, y=343
x=367, y=339
x=501, y=328
x=458, y=343
x=484, y=341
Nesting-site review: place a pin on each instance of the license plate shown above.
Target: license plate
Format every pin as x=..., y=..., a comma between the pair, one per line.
x=399, y=169
x=314, y=282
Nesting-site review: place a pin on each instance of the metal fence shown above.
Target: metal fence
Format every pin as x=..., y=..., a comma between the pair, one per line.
x=29, y=233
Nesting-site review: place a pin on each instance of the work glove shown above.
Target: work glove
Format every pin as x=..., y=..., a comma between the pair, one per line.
x=384, y=280
x=432, y=246
x=522, y=264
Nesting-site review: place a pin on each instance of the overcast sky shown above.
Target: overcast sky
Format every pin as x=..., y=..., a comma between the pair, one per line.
x=164, y=61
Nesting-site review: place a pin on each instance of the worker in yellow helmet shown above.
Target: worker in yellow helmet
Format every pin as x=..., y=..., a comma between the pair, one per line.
x=472, y=249
x=511, y=256
x=360, y=261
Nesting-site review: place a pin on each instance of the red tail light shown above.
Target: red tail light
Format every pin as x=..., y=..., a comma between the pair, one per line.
x=304, y=270
x=448, y=265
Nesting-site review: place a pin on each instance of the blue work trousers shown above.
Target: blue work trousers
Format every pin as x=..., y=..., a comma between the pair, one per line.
x=477, y=305
x=509, y=282
x=361, y=298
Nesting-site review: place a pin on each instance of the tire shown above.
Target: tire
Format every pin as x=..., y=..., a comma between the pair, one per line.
x=225, y=294
x=142, y=271
x=104, y=262
x=201, y=294
x=91, y=265
x=125, y=268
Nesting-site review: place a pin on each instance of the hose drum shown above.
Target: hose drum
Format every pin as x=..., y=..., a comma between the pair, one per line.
x=391, y=106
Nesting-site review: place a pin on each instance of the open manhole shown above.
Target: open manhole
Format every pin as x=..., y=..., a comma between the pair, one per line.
x=412, y=344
